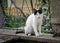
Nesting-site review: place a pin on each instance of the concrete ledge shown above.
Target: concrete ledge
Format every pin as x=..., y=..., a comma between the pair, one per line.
x=5, y=36
x=42, y=38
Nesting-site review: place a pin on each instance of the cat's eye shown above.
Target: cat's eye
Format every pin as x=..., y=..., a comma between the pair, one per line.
x=39, y=11
x=35, y=12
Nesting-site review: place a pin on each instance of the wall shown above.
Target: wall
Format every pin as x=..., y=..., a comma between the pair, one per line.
x=55, y=11
x=55, y=17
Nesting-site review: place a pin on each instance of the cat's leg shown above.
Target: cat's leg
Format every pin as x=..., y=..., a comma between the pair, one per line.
x=40, y=25
x=28, y=30
x=39, y=28
x=35, y=30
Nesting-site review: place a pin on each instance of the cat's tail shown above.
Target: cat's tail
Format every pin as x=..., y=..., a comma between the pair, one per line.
x=20, y=31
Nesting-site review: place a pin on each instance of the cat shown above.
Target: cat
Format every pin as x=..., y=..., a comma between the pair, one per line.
x=34, y=22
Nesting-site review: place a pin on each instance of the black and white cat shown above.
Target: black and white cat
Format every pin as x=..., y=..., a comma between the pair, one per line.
x=34, y=22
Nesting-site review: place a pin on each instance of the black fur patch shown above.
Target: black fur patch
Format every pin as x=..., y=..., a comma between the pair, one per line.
x=39, y=11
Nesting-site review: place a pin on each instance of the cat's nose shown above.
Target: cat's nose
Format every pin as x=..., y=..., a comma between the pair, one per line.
x=38, y=17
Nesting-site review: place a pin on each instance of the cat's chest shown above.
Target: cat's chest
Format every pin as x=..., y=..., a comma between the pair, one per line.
x=34, y=19
x=37, y=20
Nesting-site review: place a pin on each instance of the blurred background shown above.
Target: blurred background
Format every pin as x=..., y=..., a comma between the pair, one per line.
x=17, y=11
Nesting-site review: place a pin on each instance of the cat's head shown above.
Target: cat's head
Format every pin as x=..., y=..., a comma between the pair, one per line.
x=37, y=12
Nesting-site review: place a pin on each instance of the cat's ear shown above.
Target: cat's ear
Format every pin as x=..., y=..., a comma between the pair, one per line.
x=40, y=8
x=34, y=11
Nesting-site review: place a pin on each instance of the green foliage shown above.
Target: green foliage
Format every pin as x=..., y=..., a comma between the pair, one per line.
x=14, y=21
x=46, y=26
x=5, y=4
x=19, y=21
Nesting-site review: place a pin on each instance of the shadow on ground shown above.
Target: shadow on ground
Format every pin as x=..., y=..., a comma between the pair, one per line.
x=22, y=41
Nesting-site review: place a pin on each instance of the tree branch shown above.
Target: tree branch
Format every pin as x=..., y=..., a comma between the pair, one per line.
x=31, y=5
x=18, y=8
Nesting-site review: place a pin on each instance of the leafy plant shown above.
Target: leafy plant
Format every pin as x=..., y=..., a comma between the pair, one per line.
x=19, y=21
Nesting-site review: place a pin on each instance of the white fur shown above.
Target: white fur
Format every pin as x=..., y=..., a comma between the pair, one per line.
x=33, y=24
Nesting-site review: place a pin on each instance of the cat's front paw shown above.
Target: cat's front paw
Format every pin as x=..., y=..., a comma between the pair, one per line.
x=37, y=35
x=29, y=34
